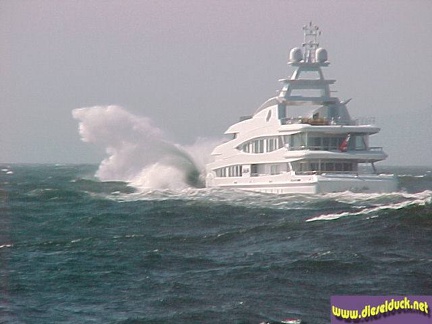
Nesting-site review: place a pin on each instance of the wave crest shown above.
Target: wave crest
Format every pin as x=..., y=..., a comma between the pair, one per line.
x=138, y=152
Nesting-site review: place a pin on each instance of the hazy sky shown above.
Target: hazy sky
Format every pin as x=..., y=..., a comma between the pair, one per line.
x=194, y=67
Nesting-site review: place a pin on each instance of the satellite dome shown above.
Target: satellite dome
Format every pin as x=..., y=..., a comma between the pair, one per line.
x=296, y=54
x=321, y=55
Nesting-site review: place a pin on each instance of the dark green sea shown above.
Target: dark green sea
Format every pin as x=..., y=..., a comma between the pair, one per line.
x=74, y=249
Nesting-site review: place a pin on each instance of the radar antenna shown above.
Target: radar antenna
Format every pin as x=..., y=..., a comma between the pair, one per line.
x=310, y=44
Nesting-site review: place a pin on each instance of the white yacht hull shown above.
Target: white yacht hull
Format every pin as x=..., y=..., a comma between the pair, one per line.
x=309, y=184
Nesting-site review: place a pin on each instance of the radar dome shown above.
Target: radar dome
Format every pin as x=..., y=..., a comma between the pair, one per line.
x=296, y=54
x=321, y=55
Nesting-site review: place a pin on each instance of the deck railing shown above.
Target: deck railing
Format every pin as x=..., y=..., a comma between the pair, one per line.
x=376, y=148
x=325, y=172
x=331, y=148
x=364, y=121
x=326, y=121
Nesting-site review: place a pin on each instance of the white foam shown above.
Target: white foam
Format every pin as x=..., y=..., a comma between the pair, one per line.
x=419, y=199
x=138, y=151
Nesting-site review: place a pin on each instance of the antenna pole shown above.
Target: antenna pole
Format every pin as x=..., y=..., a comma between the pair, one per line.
x=311, y=42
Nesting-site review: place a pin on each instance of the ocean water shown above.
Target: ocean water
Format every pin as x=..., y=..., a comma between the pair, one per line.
x=75, y=249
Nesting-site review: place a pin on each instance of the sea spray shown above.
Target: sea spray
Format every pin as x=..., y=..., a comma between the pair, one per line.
x=138, y=151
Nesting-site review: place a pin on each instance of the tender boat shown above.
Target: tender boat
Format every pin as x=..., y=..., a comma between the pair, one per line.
x=303, y=140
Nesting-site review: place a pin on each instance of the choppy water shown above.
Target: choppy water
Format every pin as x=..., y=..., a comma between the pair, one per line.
x=77, y=250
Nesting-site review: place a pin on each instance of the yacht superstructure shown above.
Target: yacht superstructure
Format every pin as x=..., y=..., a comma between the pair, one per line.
x=301, y=141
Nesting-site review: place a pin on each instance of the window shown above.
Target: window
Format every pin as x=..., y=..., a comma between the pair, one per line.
x=347, y=167
x=231, y=171
x=314, y=166
x=358, y=143
x=271, y=144
x=221, y=172
x=268, y=144
x=274, y=169
x=280, y=142
x=329, y=166
x=307, y=93
x=309, y=75
x=258, y=146
x=254, y=170
x=315, y=143
x=268, y=115
x=238, y=171
x=296, y=141
x=326, y=143
x=321, y=166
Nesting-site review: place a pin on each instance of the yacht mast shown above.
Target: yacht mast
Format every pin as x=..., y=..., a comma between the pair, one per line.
x=310, y=43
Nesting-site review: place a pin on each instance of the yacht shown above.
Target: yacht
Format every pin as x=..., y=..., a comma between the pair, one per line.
x=303, y=140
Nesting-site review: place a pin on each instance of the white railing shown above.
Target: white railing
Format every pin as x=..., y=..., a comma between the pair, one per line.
x=325, y=172
x=364, y=121
x=376, y=148
x=331, y=148
x=327, y=121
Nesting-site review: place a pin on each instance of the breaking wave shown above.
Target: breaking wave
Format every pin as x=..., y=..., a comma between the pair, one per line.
x=138, y=151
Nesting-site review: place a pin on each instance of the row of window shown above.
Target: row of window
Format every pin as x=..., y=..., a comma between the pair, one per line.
x=262, y=145
x=324, y=166
x=305, y=141
x=231, y=171
x=299, y=167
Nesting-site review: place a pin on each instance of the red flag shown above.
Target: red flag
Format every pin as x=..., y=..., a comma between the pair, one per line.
x=344, y=145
